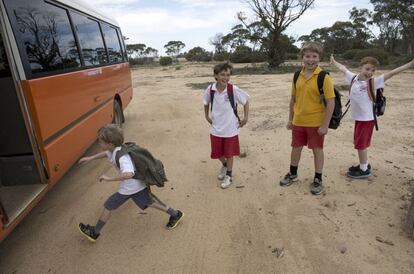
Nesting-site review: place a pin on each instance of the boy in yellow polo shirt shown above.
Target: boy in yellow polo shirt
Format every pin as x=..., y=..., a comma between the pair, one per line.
x=308, y=116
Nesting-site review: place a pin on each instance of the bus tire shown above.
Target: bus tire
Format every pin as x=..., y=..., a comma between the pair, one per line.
x=118, y=115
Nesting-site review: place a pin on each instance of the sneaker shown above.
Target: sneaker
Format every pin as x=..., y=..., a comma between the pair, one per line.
x=226, y=182
x=89, y=232
x=288, y=179
x=316, y=187
x=222, y=173
x=359, y=174
x=174, y=221
x=355, y=168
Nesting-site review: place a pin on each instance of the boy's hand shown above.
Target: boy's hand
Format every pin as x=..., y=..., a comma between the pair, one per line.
x=103, y=178
x=322, y=131
x=84, y=160
x=332, y=60
x=209, y=120
x=289, y=125
x=242, y=122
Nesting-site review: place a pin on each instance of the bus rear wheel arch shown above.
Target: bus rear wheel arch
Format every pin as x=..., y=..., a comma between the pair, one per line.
x=118, y=115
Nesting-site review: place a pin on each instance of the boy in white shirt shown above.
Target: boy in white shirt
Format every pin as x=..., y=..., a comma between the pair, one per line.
x=110, y=139
x=361, y=107
x=224, y=120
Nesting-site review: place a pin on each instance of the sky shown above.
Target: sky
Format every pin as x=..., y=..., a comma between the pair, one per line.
x=156, y=22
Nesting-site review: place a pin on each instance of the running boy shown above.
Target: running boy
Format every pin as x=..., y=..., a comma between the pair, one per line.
x=308, y=117
x=361, y=108
x=225, y=122
x=110, y=139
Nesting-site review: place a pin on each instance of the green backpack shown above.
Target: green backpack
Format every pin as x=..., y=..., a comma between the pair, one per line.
x=148, y=169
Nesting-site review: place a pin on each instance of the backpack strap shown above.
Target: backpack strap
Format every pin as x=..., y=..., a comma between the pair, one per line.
x=211, y=97
x=349, y=94
x=320, y=80
x=372, y=97
x=120, y=153
x=295, y=77
x=233, y=104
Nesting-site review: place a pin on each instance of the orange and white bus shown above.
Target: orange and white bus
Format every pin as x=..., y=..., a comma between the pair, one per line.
x=64, y=73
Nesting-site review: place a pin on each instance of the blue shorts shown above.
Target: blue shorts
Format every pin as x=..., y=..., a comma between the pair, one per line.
x=142, y=199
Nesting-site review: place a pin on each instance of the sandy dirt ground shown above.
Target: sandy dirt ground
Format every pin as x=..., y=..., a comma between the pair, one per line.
x=255, y=226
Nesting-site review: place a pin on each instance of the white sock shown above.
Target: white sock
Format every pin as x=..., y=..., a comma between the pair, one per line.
x=363, y=167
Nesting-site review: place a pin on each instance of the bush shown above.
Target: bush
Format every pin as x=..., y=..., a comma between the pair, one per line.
x=258, y=57
x=292, y=56
x=198, y=54
x=165, y=61
x=141, y=61
x=221, y=56
x=358, y=54
x=242, y=54
x=400, y=60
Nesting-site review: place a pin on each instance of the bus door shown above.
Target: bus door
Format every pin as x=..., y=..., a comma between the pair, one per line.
x=20, y=173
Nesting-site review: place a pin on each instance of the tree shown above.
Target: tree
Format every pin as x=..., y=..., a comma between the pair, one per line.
x=198, y=54
x=173, y=48
x=217, y=42
x=274, y=16
x=136, y=50
x=397, y=13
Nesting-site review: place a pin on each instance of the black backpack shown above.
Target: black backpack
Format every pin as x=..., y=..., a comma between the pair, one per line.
x=148, y=169
x=230, y=94
x=337, y=113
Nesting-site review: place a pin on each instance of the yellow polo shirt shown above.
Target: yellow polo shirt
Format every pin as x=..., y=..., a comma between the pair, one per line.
x=308, y=111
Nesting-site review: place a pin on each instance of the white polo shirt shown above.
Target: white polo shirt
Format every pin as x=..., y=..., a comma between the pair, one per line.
x=129, y=186
x=224, y=122
x=361, y=104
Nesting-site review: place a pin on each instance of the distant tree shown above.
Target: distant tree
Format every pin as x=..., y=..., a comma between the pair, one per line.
x=361, y=21
x=217, y=42
x=392, y=15
x=135, y=50
x=151, y=52
x=173, y=48
x=198, y=54
x=274, y=16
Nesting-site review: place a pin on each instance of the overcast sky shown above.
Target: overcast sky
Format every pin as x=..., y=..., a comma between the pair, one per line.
x=156, y=22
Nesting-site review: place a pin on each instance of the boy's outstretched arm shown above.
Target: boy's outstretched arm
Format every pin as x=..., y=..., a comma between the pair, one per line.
x=393, y=72
x=118, y=177
x=93, y=157
x=337, y=64
x=246, y=114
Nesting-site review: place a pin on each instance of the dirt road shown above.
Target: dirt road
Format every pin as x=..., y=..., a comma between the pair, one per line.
x=253, y=227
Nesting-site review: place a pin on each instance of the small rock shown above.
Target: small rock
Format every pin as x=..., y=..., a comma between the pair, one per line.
x=343, y=248
x=280, y=252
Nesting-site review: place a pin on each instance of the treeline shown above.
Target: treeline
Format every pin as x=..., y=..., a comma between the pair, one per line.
x=386, y=32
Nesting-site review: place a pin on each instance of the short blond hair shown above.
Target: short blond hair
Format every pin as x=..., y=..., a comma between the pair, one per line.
x=312, y=47
x=369, y=60
x=111, y=134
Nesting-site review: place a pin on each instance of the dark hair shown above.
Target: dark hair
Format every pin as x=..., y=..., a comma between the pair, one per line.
x=223, y=67
x=111, y=134
x=369, y=60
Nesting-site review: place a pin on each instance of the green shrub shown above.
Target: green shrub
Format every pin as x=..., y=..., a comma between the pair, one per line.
x=198, y=54
x=400, y=60
x=242, y=54
x=292, y=56
x=165, y=61
x=221, y=56
x=357, y=54
x=350, y=54
x=258, y=57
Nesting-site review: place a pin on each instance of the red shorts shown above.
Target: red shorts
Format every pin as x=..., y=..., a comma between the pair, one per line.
x=224, y=146
x=302, y=136
x=363, y=134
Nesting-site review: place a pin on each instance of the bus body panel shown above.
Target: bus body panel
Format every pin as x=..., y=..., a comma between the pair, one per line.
x=60, y=100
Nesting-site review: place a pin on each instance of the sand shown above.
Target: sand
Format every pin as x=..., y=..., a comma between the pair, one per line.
x=255, y=226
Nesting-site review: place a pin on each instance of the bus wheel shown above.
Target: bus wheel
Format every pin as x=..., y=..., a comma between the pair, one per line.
x=117, y=114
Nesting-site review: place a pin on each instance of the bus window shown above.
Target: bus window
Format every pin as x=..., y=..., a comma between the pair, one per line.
x=90, y=40
x=121, y=40
x=112, y=43
x=45, y=35
x=4, y=64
